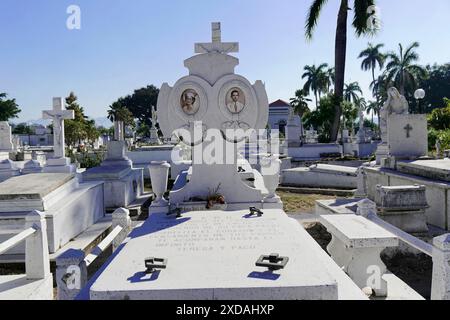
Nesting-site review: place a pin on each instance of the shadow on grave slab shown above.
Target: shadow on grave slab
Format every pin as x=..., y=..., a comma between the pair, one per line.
x=156, y=223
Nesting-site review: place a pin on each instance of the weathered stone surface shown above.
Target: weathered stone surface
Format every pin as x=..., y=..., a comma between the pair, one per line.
x=407, y=135
x=212, y=255
x=356, y=246
x=321, y=176
x=32, y=186
x=433, y=169
x=401, y=198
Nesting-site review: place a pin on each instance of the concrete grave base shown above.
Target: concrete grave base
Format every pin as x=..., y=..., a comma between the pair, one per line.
x=123, y=184
x=70, y=207
x=18, y=287
x=212, y=255
x=321, y=176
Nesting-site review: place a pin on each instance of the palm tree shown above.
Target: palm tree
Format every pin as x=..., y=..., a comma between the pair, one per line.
x=401, y=69
x=372, y=57
x=351, y=92
x=373, y=108
x=300, y=103
x=361, y=15
x=329, y=80
x=315, y=80
x=117, y=112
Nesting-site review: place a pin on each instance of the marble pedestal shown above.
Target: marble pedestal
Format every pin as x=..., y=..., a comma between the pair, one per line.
x=70, y=207
x=211, y=256
x=123, y=184
x=59, y=165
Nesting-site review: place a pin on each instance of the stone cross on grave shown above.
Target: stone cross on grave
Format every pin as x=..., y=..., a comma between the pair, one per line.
x=408, y=129
x=58, y=114
x=216, y=46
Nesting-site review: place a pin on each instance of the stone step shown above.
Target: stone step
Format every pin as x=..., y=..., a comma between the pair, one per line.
x=85, y=241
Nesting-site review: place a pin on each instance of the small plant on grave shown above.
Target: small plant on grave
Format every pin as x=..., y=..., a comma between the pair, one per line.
x=214, y=197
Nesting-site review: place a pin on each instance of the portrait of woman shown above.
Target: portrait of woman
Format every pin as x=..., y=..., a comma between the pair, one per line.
x=190, y=102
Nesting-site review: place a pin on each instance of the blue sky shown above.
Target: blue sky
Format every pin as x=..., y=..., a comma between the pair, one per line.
x=127, y=44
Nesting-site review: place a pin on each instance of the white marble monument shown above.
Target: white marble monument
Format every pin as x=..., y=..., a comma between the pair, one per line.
x=5, y=137
x=59, y=163
x=213, y=99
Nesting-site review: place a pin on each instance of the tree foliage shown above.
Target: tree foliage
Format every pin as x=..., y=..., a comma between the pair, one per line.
x=118, y=112
x=402, y=69
x=8, y=108
x=140, y=105
x=322, y=118
x=436, y=86
x=300, y=103
x=361, y=15
x=22, y=128
x=439, y=119
x=80, y=128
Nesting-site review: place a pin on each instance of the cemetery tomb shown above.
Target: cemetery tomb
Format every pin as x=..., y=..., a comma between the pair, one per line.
x=70, y=207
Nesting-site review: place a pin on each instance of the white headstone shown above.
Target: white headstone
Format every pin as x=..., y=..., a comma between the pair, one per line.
x=5, y=136
x=407, y=135
x=212, y=98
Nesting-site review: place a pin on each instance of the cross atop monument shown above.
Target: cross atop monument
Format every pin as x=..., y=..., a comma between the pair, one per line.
x=216, y=46
x=58, y=114
x=408, y=129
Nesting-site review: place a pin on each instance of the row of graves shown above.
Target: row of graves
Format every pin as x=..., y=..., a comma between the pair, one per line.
x=220, y=232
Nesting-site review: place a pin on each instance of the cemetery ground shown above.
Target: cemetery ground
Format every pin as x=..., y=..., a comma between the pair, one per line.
x=415, y=270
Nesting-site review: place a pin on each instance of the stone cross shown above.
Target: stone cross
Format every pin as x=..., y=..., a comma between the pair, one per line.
x=58, y=114
x=216, y=46
x=119, y=130
x=408, y=129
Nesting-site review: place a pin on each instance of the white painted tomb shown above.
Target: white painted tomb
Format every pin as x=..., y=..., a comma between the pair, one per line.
x=421, y=172
x=70, y=207
x=211, y=256
x=59, y=163
x=321, y=176
x=356, y=247
x=123, y=184
x=314, y=151
x=8, y=169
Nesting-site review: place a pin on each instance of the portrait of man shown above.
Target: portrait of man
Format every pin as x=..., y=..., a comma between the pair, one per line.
x=190, y=102
x=235, y=100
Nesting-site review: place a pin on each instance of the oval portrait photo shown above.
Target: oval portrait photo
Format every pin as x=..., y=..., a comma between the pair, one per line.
x=235, y=100
x=190, y=102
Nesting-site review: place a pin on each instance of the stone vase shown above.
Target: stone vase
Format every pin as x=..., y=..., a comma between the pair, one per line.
x=159, y=174
x=270, y=170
